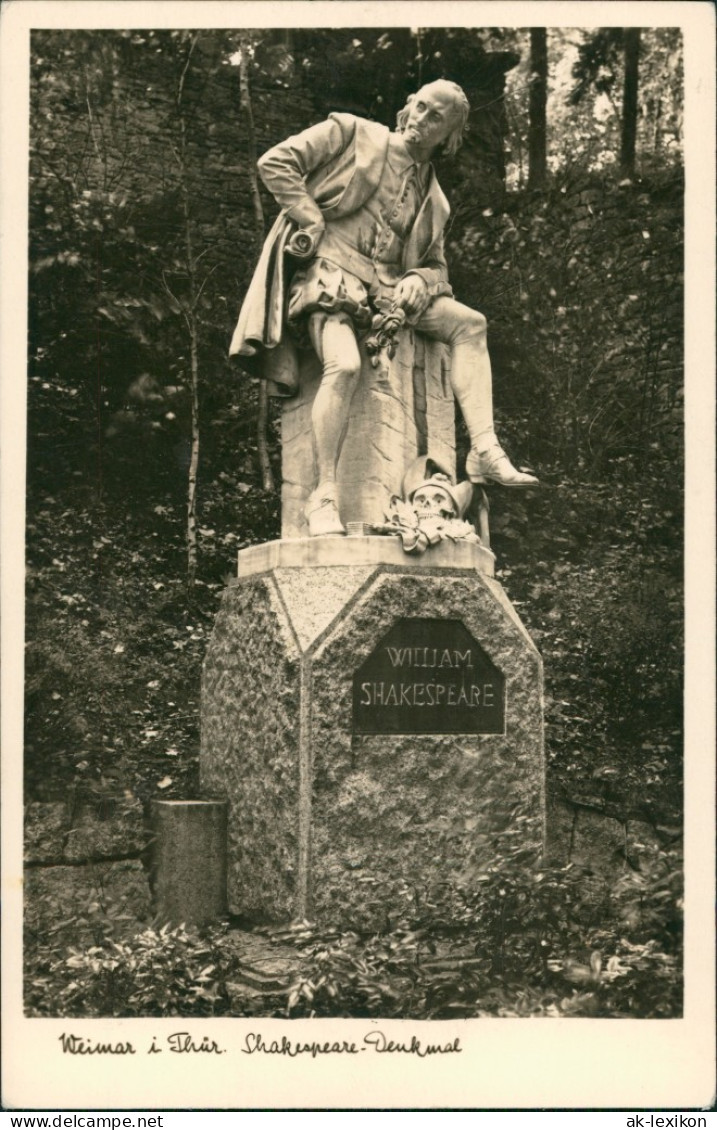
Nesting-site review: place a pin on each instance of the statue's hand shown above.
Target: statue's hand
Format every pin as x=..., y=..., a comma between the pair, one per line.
x=412, y=295
x=316, y=229
x=303, y=243
x=305, y=240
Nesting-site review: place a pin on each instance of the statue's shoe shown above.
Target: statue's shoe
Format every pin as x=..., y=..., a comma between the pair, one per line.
x=494, y=466
x=323, y=516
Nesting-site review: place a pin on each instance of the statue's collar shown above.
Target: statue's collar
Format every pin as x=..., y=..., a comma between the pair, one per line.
x=399, y=157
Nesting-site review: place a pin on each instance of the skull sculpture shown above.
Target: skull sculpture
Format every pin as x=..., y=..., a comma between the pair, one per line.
x=433, y=501
x=431, y=509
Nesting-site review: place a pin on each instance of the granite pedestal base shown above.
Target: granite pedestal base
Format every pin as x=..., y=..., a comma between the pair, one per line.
x=355, y=828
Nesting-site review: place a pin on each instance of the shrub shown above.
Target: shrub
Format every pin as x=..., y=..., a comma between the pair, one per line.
x=517, y=942
x=166, y=972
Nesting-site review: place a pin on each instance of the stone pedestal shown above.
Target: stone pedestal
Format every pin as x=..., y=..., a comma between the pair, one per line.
x=401, y=409
x=375, y=725
x=189, y=861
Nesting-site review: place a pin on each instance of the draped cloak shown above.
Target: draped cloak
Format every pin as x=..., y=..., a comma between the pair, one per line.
x=335, y=166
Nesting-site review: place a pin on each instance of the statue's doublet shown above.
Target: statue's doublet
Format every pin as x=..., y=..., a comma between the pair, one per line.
x=333, y=169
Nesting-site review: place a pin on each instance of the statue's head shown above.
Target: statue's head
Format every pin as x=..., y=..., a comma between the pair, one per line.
x=435, y=116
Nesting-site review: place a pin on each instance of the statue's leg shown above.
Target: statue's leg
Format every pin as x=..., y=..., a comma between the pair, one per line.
x=465, y=332
x=335, y=343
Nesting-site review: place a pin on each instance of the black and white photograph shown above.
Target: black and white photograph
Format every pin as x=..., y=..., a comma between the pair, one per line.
x=364, y=464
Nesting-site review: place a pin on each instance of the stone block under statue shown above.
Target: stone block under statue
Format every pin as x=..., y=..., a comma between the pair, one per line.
x=403, y=407
x=375, y=724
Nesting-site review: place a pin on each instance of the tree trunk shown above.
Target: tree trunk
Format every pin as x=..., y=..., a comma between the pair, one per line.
x=190, y=315
x=267, y=478
x=419, y=55
x=629, y=101
x=194, y=457
x=191, y=320
x=537, y=102
x=247, y=110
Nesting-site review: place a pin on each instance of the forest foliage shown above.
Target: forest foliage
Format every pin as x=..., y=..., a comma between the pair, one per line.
x=520, y=942
x=143, y=234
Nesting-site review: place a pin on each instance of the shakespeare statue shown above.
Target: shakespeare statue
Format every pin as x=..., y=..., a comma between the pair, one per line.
x=363, y=220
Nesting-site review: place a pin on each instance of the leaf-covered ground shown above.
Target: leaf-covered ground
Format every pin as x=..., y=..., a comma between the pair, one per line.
x=521, y=942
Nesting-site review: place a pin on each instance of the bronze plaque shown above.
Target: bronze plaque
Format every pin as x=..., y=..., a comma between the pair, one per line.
x=428, y=677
